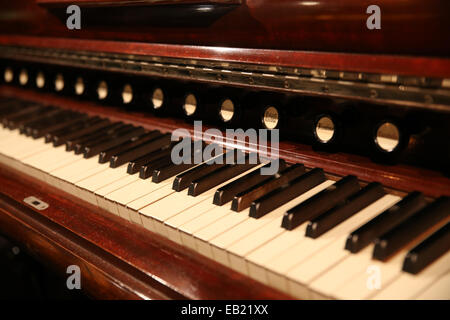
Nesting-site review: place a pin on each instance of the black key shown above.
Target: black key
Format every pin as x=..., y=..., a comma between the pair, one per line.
x=130, y=144
x=229, y=191
x=62, y=115
x=80, y=141
x=101, y=137
x=353, y=204
x=15, y=122
x=219, y=176
x=286, y=193
x=146, y=170
x=68, y=127
x=168, y=170
x=415, y=226
x=136, y=164
x=91, y=125
x=183, y=180
x=139, y=151
x=117, y=138
x=56, y=122
x=78, y=144
x=364, y=235
x=15, y=111
x=46, y=121
x=5, y=101
x=22, y=127
x=428, y=251
x=321, y=202
x=12, y=107
x=18, y=113
x=8, y=108
x=61, y=123
x=8, y=111
x=244, y=199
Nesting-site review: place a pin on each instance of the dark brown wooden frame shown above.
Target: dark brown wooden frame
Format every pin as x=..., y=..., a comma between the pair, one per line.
x=383, y=64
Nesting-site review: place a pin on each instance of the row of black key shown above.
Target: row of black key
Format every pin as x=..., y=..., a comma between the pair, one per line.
x=149, y=153
x=113, y=142
x=326, y=209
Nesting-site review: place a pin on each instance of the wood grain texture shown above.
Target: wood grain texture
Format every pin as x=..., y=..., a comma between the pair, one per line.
x=412, y=27
x=383, y=64
x=82, y=3
x=404, y=178
x=103, y=276
x=118, y=259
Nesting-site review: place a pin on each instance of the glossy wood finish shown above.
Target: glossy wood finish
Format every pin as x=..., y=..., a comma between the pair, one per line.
x=118, y=259
x=408, y=27
x=82, y=3
x=402, y=178
x=384, y=64
x=103, y=276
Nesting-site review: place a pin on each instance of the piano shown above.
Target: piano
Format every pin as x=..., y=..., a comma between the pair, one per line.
x=358, y=206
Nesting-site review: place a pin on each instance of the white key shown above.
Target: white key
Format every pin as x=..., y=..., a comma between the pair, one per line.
x=239, y=251
x=72, y=181
x=6, y=134
x=257, y=259
x=11, y=138
x=174, y=204
x=205, y=233
x=409, y=286
x=19, y=149
x=100, y=193
x=221, y=243
x=42, y=160
x=365, y=276
x=81, y=170
x=354, y=276
x=46, y=161
x=329, y=248
x=197, y=229
x=133, y=207
x=279, y=266
x=205, y=219
x=131, y=192
x=169, y=207
x=22, y=147
x=66, y=175
x=52, y=180
x=172, y=224
x=89, y=185
x=66, y=171
x=221, y=225
x=440, y=290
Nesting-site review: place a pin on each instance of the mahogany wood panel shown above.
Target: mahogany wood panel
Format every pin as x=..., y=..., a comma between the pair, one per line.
x=58, y=248
x=412, y=27
x=118, y=259
x=400, y=177
x=384, y=64
x=129, y=2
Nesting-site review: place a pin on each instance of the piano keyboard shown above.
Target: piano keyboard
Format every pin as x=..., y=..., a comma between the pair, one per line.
x=296, y=231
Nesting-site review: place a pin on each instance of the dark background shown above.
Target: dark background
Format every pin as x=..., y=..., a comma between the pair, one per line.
x=24, y=277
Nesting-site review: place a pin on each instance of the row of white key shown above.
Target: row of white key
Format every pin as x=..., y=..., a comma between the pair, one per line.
x=260, y=248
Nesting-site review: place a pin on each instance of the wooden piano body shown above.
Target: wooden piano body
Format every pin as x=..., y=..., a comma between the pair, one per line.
x=306, y=48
